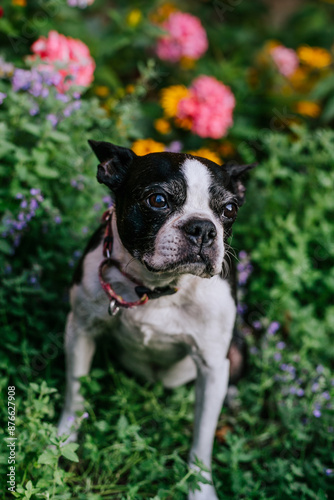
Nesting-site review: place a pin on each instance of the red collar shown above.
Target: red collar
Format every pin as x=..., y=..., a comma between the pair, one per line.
x=116, y=301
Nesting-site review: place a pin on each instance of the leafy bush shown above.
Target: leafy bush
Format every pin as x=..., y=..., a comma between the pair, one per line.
x=275, y=441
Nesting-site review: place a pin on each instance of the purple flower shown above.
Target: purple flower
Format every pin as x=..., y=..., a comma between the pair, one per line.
x=107, y=200
x=85, y=415
x=23, y=204
x=57, y=219
x=277, y=356
x=254, y=350
x=300, y=392
x=174, y=147
x=85, y=230
x=34, y=110
x=326, y=395
x=257, y=325
x=243, y=278
x=21, y=80
x=241, y=308
x=317, y=413
x=36, y=89
x=2, y=97
x=281, y=345
x=329, y=472
x=33, y=204
x=320, y=369
x=240, y=267
x=243, y=255
x=52, y=118
x=76, y=95
x=34, y=191
x=63, y=97
x=74, y=106
x=19, y=196
x=315, y=387
x=273, y=327
x=44, y=92
x=70, y=419
x=8, y=269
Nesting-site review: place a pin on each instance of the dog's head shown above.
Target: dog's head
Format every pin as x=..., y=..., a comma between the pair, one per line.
x=174, y=211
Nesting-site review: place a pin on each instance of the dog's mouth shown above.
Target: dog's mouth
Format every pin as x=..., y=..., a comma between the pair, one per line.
x=197, y=264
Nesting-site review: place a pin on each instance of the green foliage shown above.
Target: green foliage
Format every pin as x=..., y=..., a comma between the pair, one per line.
x=134, y=444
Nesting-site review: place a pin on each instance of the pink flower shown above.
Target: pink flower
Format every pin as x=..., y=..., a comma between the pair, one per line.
x=69, y=57
x=186, y=38
x=285, y=59
x=209, y=107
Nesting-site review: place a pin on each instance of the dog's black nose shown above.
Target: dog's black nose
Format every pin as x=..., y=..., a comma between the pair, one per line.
x=201, y=232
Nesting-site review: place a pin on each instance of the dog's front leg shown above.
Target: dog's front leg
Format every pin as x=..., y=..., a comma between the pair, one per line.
x=211, y=388
x=79, y=347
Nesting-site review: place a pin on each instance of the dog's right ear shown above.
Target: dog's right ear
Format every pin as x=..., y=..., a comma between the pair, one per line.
x=115, y=161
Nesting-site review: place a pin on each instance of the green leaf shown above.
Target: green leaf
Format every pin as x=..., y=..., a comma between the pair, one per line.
x=5, y=247
x=68, y=451
x=46, y=172
x=328, y=113
x=48, y=457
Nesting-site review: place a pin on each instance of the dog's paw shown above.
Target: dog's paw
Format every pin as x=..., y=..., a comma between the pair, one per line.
x=207, y=492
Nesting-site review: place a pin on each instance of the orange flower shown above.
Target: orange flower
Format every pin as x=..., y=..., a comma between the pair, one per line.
x=101, y=91
x=227, y=149
x=308, y=108
x=315, y=57
x=162, y=126
x=208, y=154
x=162, y=13
x=145, y=146
x=187, y=62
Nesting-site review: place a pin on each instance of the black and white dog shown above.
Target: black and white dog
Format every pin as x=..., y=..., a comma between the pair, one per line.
x=162, y=248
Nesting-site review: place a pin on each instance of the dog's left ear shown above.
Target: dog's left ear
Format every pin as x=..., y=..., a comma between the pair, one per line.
x=235, y=174
x=115, y=161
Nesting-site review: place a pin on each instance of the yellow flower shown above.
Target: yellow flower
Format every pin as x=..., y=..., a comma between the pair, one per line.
x=308, y=108
x=316, y=57
x=134, y=18
x=187, y=62
x=206, y=153
x=170, y=97
x=20, y=3
x=102, y=91
x=162, y=126
x=146, y=146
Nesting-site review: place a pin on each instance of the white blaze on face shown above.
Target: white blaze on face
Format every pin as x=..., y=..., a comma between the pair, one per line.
x=198, y=182
x=171, y=242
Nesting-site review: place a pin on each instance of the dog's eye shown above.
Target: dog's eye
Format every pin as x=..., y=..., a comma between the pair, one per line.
x=230, y=211
x=157, y=200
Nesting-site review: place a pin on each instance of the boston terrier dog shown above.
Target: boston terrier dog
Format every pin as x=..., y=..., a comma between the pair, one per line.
x=156, y=276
